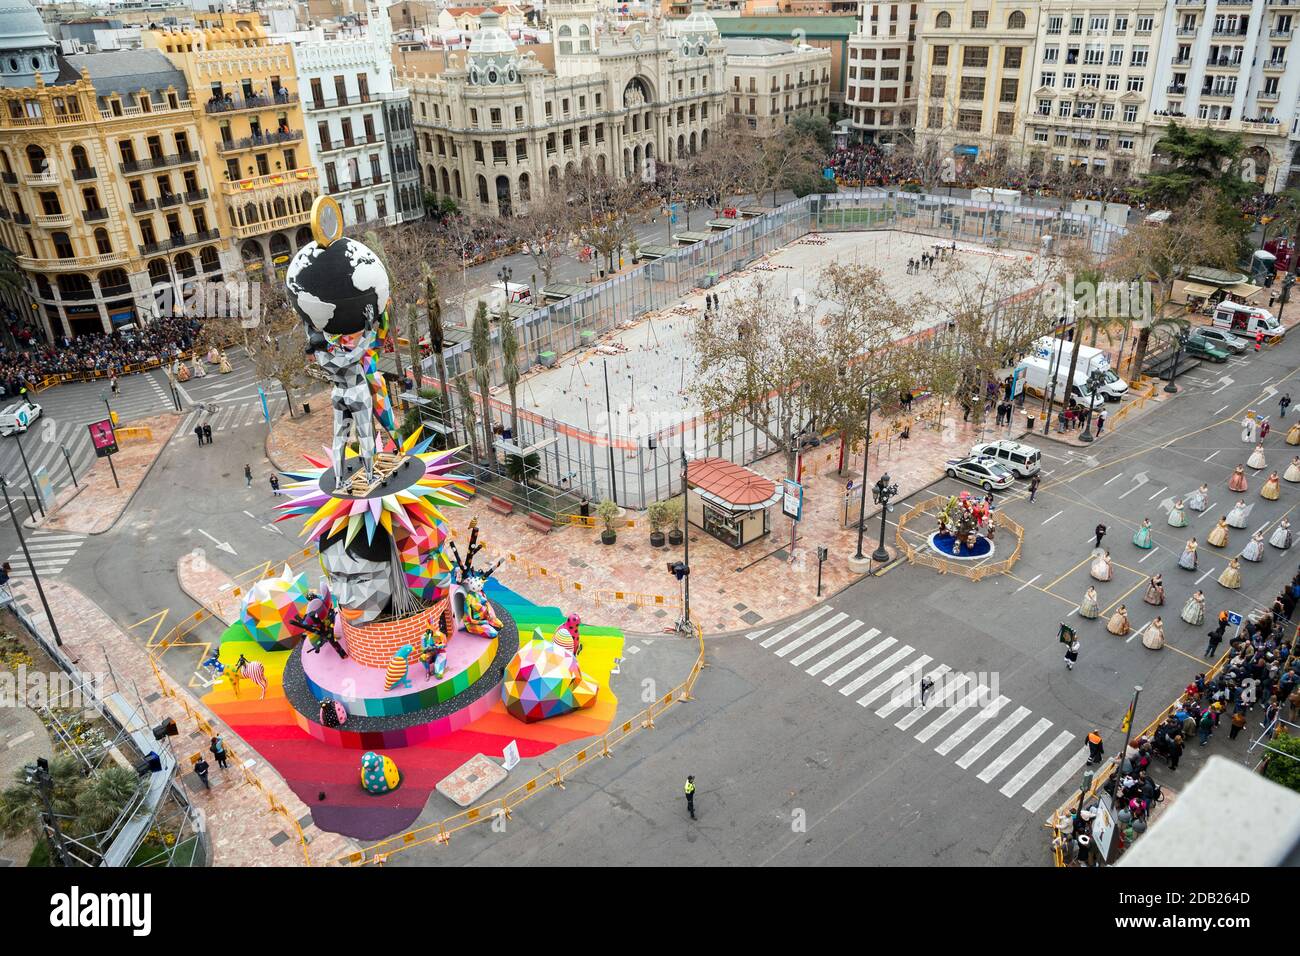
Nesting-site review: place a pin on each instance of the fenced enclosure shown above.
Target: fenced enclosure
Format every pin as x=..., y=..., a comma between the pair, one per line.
x=634, y=460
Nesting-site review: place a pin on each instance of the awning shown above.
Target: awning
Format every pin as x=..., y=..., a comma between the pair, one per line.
x=1245, y=291
x=730, y=486
x=1196, y=289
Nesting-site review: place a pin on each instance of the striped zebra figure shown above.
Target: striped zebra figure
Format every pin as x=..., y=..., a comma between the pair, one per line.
x=249, y=670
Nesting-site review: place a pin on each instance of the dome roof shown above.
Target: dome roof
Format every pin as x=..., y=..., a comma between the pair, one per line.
x=21, y=27
x=698, y=21
x=490, y=40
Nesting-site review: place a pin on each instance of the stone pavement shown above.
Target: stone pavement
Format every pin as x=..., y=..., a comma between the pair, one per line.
x=244, y=830
x=209, y=587
x=95, y=504
x=627, y=584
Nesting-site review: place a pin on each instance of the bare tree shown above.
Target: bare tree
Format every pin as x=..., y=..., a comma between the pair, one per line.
x=544, y=231
x=604, y=206
x=789, y=161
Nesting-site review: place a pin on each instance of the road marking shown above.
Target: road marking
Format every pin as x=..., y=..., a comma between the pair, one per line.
x=1158, y=493
x=1221, y=409
x=1149, y=553
x=824, y=643
x=1109, y=480
x=808, y=635
x=1211, y=507
x=870, y=634
x=1057, y=515
x=950, y=693
x=790, y=629
x=909, y=673
x=992, y=737
x=1067, y=772
x=1205, y=575
x=1213, y=453
x=1022, y=743
x=953, y=712
x=875, y=671
x=22, y=738
x=1028, y=583
x=974, y=724
x=913, y=700
x=858, y=661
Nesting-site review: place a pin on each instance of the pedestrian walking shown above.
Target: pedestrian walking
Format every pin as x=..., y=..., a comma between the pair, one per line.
x=207, y=434
x=1259, y=339
x=198, y=433
x=201, y=771
x=218, y=748
x=1175, y=752
x=248, y=476
x=1100, y=532
x=275, y=483
x=1101, y=422
x=690, y=796
x=927, y=684
x=113, y=385
x=1283, y=405
x=1072, y=655
x=1095, y=751
x=1205, y=726
x=1238, y=722
x=1216, y=635
x=1033, y=488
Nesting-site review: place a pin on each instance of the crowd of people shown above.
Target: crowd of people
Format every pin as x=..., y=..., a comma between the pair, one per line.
x=28, y=360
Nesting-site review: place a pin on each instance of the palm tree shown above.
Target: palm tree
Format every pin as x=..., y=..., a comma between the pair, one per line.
x=413, y=343
x=467, y=410
x=509, y=337
x=433, y=314
x=85, y=805
x=13, y=286
x=481, y=347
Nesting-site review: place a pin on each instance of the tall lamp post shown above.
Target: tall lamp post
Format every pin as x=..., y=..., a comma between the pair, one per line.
x=1055, y=370
x=49, y=616
x=1178, y=354
x=1095, y=380
x=866, y=457
x=882, y=492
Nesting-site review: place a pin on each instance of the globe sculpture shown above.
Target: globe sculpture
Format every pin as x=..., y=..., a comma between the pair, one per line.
x=272, y=605
x=545, y=680
x=337, y=289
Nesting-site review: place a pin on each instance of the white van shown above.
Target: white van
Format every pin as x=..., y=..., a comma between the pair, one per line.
x=18, y=417
x=513, y=291
x=1091, y=360
x=1246, y=320
x=1038, y=371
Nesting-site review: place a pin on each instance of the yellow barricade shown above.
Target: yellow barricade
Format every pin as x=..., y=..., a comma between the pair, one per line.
x=134, y=433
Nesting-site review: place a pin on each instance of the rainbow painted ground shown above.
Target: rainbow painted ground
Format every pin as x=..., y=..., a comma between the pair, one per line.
x=312, y=767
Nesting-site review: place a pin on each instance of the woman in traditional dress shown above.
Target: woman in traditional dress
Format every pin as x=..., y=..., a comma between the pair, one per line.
x=1118, y=623
x=1239, y=514
x=1177, y=516
x=1218, y=537
x=1194, y=609
x=224, y=367
x=1281, y=536
x=1254, y=549
x=1256, y=459
x=1237, y=480
x=1293, y=436
x=1101, y=566
x=1272, y=489
x=1199, y=500
x=1249, y=428
x=1292, y=472
x=1231, y=576
x=1155, y=591
x=1088, y=606
x=1142, y=537
x=1153, y=635
x=1188, y=560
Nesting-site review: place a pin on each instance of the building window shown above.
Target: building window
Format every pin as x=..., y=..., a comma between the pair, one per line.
x=1016, y=21
x=1006, y=124
x=1011, y=57
x=935, y=118
x=940, y=57
x=1010, y=91
x=943, y=21
x=975, y=56
x=979, y=19
x=969, y=120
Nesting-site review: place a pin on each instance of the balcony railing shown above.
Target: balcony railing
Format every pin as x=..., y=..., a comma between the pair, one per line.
x=1177, y=88
x=159, y=162
x=361, y=183
x=1280, y=34
x=95, y=215
x=58, y=221
x=260, y=140
x=271, y=225
x=144, y=205
x=304, y=177
x=178, y=241
x=82, y=173
x=74, y=264
x=47, y=178
x=238, y=104
x=345, y=100
x=196, y=195
x=170, y=199
x=1274, y=65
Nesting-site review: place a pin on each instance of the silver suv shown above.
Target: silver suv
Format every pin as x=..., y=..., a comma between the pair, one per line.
x=1024, y=460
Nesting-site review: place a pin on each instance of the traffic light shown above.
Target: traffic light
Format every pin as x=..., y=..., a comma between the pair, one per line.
x=678, y=569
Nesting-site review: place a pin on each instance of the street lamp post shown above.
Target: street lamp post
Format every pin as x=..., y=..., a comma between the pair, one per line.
x=866, y=457
x=882, y=492
x=686, y=554
x=1095, y=380
x=49, y=616
x=27, y=468
x=68, y=458
x=1055, y=370
x=1178, y=354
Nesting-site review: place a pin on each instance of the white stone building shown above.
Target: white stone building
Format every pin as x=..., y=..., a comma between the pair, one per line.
x=496, y=125
x=770, y=82
x=880, y=95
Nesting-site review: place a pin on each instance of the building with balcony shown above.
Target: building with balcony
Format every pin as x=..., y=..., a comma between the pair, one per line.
x=880, y=98
x=830, y=33
x=252, y=136
x=1095, y=71
x=354, y=117
x=769, y=83
x=103, y=194
x=1234, y=67
x=496, y=125
x=974, y=69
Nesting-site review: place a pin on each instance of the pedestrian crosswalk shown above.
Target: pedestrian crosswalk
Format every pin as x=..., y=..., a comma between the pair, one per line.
x=228, y=417
x=47, y=450
x=50, y=553
x=1004, y=744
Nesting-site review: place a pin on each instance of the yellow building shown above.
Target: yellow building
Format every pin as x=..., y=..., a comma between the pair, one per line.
x=103, y=192
x=251, y=132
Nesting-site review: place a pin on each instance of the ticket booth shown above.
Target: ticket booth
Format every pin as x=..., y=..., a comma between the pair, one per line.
x=729, y=501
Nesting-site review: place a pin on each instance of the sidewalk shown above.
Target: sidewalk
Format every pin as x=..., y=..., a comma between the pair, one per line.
x=244, y=830
x=628, y=585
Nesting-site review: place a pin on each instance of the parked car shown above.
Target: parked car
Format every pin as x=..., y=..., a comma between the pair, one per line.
x=981, y=470
x=1024, y=460
x=1222, y=339
x=18, y=417
x=1201, y=347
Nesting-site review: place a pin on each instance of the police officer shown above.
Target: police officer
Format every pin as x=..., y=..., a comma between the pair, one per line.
x=690, y=796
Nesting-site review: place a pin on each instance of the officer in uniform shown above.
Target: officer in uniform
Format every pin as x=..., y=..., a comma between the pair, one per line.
x=690, y=796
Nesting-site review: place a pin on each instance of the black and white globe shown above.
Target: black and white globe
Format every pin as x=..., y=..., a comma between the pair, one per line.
x=337, y=289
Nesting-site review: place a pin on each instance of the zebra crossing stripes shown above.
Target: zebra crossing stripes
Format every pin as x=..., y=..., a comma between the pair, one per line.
x=50, y=551
x=985, y=733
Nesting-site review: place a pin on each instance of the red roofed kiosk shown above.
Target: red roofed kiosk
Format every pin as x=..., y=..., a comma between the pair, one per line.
x=728, y=501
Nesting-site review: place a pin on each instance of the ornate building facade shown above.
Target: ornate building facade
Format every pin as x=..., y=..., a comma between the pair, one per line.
x=496, y=125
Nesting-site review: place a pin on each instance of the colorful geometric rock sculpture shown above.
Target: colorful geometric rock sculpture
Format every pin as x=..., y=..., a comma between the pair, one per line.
x=397, y=668
x=378, y=773
x=271, y=606
x=544, y=680
x=425, y=564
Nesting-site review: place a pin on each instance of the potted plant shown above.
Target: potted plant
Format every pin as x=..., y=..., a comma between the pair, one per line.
x=658, y=515
x=607, y=512
x=674, y=518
